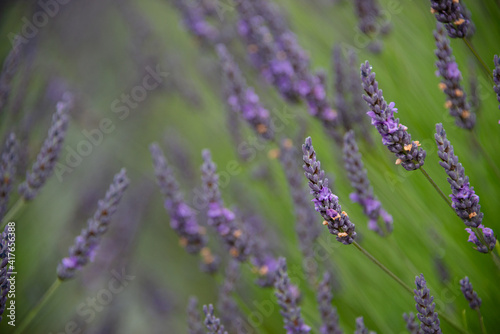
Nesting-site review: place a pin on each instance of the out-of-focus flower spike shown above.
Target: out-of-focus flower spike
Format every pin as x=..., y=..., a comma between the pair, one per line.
x=212, y=323
x=8, y=161
x=328, y=313
x=470, y=294
x=411, y=323
x=9, y=70
x=195, y=325
x=496, y=78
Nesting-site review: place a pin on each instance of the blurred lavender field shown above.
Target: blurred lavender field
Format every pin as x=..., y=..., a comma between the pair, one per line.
x=246, y=82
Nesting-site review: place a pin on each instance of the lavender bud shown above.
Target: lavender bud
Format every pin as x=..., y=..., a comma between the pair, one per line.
x=195, y=326
x=363, y=193
x=483, y=237
x=219, y=217
x=453, y=15
x=325, y=202
x=212, y=323
x=4, y=269
x=496, y=77
x=328, y=313
x=8, y=162
x=470, y=294
x=47, y=158
x=86, y=244
x=428, y=318
x=288, y=296
x=394, y=135
x=447, y=68
x=411, y=323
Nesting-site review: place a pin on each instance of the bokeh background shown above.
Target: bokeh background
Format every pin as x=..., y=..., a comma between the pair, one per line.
x=102, y=49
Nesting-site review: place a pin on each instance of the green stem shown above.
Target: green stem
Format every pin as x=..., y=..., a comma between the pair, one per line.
x=478, y=57
x=496, y=259
x=481, y=322
x=32, y=314
x=440, y=192
x=485, y=154
x=403, y=284
x=12, y=212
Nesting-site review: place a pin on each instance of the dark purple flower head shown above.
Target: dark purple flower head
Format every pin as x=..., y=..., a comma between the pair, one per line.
x=221, y=218
x=370, y=17
x=360, y=326
x=212, y=323
x=288, y=296
x=196, y=21
x=4, y=269
x=8, y=161
x=411, y=323
x=496, y=77
x=453, y=15
x=195, y=326
x=328, y=313
x=451, y=78
x=363, y=191
x=394, y=135
x=470, y=294
x=47, y=158
x=483, y=238
x=425, y=306
x=325, y=202
x=86, y=243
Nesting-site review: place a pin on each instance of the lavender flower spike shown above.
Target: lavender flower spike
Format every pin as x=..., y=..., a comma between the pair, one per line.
x=86, y=243
x=288, y=296
x=453, y=15
x=363, y=191
x=425, y=307
x=447, y=68
x=195, y=325
x=411, y=323
x=470, y=294
x=212, y=322
x=46, y=159
x=325, y=202
x=394, y=135
x=8, y=162
x=360, y=327
x=496, y=77
x=328, y=313
x=4, y=269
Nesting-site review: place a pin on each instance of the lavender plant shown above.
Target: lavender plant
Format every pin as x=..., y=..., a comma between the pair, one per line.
x=394, y=135
x=469, y=294
x=195, y=326
x=465, y=202
x=361, y=328
x=496, y=77
x=328, y=313
x=288, y=296
x=453, y=15
x=411, y=323
x=429, y=320
x=86, y=244
x=46, y=160
x=363, y=193
x=325, y=202
x=451, y=77
x=195, y=21
x=212, y=323
x=8, y=163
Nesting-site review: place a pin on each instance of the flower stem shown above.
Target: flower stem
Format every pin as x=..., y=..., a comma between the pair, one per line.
x=481, y=322
x=443, y=196
x=32, y=314
x=403, y=284
x=478, y=57
x=12, y=211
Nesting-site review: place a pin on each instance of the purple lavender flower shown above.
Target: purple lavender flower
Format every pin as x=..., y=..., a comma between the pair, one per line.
x=195, y=21
x=394, y=135
x=325, y=202
x=328, y=313
x=341, y=88
x=47, y=158
x=212, y=323
x=496, y=77
x=86, y=244
x=411, y=323
x=4, y=269
x=288, y=296
x=9, y=70
x=447, y=68
x=195, y=326
x=483, y=238
x=8, y=162
x=369, y=15
x=242, y=99
x=428, y=318
x=470, y=294
x=221, y=218
x=363, y=193
x=453, y=15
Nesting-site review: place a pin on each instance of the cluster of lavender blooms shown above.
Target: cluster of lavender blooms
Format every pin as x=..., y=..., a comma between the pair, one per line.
x=429, y=320
x=305, y=217
x=195, y=326
x=454, y=16
x=8, y=162
x=411, y=323
x=221, y=218
x=370, y=20
x=47, y=157
x=182, y=216
x=464, y=199
x=212, y=323
x=361, y=328
x=195, y=20
x=394, y=135
x=447, y=68
x=363, y=193
x=328, y=313
x=469, y=294
x=4, y=269
x=325, y=202
x=288, y=296
x=9, y=69
x=87, y=242
x=242, y=99
x=496, y=77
